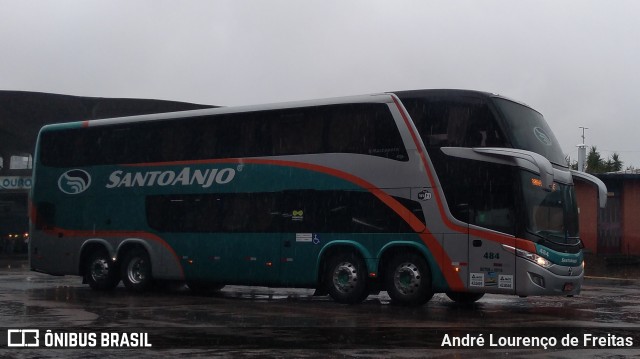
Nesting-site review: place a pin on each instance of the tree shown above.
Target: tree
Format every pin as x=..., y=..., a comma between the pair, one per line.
x=596, y=164
x=616, y=163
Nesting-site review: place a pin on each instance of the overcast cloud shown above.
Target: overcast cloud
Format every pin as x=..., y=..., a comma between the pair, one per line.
x=574, y=61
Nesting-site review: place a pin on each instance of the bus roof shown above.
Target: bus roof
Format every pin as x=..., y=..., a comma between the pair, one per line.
x=454, y=92
x=372, y=98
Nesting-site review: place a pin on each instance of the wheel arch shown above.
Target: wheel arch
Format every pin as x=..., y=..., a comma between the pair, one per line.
x=343, y=246
x=391, y=249
x=131, y=243
x=91, y=246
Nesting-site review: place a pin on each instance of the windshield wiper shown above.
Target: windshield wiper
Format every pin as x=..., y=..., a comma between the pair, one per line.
x=547, y=235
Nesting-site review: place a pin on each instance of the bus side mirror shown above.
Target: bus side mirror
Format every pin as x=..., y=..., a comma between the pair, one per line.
x=543, y=165
x=508, y=156
x=602, y=188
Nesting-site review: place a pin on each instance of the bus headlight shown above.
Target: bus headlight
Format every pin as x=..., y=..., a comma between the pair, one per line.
x=541, y=261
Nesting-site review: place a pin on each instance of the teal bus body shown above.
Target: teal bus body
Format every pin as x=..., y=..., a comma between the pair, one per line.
x=345, y=195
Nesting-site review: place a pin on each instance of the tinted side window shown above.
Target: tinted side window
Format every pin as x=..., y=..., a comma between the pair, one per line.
x=291, y=211
x=352, y=128
x=480, y=193
x=241, y=212
x=370, y=131
x=295, y=132
x=232, y=136
x=456, y=122
x=343, y=212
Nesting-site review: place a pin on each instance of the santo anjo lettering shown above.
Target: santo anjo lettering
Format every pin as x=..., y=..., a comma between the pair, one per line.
x=187, y=177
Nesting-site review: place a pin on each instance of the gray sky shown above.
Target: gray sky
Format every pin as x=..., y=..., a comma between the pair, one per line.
x=575, y=61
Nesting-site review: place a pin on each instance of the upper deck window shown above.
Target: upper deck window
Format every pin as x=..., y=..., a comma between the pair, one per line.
x=368, y=129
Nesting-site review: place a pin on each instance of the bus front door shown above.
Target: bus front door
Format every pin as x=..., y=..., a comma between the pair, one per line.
x=491, y=267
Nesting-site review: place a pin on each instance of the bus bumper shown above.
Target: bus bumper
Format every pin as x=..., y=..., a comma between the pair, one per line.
x=532, y=279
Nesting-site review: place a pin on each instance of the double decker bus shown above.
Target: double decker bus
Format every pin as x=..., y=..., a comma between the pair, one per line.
x=411, y=192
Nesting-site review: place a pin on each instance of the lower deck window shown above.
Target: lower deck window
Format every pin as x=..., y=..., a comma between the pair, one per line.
x=289, y=211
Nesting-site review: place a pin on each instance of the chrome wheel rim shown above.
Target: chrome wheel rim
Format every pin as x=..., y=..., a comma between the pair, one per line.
x=137, y=270
x=99, y=269
x=407, y=278
x=345, y=277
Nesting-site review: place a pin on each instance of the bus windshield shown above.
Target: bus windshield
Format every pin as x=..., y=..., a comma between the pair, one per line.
x=552, y=215
x=529, y=131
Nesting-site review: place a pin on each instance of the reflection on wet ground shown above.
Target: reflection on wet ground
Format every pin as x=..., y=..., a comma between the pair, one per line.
x=248, y=319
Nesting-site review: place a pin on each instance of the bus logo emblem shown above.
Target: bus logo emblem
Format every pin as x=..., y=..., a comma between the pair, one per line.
x=74, y=181
x=542, y=136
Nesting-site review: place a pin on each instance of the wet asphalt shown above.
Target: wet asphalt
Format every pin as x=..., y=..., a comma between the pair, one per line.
x=272, y=322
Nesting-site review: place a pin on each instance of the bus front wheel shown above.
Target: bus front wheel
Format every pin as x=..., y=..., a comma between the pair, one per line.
x=408, y=280
x=101, y=272
x=346, y=278
x=136, y=270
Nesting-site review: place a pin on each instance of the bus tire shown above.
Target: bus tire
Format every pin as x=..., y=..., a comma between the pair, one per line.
x=346, y=278
x=408, y=280
x=136, y=270
x=465, y=298
x=101, y=273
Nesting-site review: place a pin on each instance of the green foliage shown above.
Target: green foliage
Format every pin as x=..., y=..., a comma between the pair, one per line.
x=596, y=164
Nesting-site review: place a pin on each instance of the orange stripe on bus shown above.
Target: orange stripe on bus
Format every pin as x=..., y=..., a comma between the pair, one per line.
x=525, y=245
x=452, y=277
x=442, y=259
x=416, y=224
x=495, y=237
x=425, y=164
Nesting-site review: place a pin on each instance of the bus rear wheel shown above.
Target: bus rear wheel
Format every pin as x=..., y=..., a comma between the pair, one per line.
x=101, y=273
x=136, y=270
x=346, y=278
x=408, y=280
x=465, y=298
